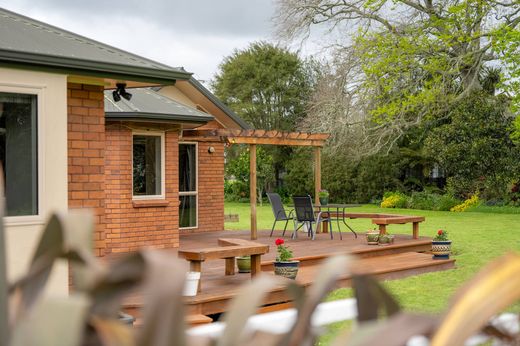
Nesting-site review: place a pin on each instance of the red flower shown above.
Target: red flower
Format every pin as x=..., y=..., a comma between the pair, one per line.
x=439, y=232
x=279, y=241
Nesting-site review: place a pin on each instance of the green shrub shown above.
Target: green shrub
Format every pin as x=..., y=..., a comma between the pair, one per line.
x=423, y=200
x=446, y=202
x=236, y=190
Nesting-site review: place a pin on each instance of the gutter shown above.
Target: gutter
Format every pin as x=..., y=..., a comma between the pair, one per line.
x=45, y=62
x=157, y=117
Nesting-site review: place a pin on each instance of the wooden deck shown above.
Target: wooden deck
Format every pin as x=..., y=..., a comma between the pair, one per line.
x=403, y=258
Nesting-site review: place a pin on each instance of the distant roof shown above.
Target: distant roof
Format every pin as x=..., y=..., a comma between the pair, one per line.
x=31, y=43
x=202, y=89
x=148, y=105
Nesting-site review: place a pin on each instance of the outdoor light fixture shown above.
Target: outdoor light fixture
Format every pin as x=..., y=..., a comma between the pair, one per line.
x=120, y=91
x=211, y=150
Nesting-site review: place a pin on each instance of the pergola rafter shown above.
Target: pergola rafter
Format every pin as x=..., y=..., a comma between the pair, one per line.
x=264, y=137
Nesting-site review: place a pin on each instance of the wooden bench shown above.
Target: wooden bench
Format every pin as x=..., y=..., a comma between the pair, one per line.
x=383, y=220
x=399, y=220
x=229, y=249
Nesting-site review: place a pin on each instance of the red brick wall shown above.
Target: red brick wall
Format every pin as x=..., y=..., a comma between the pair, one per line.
x=86, y=154
x=210, y=187
x=130, y=224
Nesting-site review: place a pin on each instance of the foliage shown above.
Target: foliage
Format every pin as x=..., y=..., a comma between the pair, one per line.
x=441, y=235
x=284, y=253
x=323, y=193
x=238, y=169
x=470, y=202
x=473, y=146
x=408, y=62
x=394, y=200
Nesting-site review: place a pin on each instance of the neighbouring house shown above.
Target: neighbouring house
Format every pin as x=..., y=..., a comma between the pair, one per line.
x=65, y=143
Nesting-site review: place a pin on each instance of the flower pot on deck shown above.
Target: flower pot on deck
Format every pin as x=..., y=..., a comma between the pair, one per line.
x=372, y=237
x=441, y=249
x=324, y=200
x=192, y=284
x=386, y=239
x=287, y=269
x=244, y=264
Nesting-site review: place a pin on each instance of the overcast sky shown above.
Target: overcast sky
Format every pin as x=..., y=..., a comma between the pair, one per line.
x=195, y=34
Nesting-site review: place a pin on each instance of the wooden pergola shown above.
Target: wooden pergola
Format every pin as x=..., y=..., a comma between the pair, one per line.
x=259, y=137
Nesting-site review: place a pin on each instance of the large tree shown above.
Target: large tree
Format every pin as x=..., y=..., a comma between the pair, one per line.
x=265, y=84
x=402, y=61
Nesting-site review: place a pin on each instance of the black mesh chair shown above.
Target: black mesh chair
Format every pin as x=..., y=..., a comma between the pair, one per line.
x=278, y=211
x=305, y=215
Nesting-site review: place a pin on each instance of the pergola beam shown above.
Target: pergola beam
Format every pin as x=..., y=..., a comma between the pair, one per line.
x=258, y=137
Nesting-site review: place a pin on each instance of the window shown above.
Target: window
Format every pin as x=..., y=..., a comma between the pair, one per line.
x=188, y=185
x=148, y=169
x=19, y=152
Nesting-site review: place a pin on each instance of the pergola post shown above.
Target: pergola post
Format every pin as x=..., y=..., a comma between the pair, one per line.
x=317, y=174
x=252, y=189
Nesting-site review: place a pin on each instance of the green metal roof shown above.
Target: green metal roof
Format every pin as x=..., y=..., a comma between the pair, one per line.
x=25, y=42
x=219, y=103
x=148, y=105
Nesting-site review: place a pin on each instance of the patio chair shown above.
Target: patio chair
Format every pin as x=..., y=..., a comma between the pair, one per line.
x=305, y=215
x=278, y=211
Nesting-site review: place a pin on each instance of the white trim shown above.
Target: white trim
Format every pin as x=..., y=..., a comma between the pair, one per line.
x=39, y=91
x=279, y=322
x=196, y=192
x=163, y=165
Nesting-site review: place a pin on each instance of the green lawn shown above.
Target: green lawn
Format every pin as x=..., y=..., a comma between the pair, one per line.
x=477, y=237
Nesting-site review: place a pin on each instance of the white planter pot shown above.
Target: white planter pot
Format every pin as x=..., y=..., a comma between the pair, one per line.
x=191, y=284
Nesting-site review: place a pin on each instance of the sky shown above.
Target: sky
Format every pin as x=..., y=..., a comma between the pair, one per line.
x=196, y=35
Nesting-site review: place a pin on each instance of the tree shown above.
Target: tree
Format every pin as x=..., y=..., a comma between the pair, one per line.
x=239, y=170
x=409, y=60
x=474, y=147
x=265, y=84
x=268, y=86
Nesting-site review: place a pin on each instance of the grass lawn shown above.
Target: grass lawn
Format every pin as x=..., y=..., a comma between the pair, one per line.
x=477, y=236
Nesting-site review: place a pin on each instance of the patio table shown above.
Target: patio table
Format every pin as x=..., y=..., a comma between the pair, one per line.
x=339, y=206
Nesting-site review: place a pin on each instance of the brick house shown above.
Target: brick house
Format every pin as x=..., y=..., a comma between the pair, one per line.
x=69, y=138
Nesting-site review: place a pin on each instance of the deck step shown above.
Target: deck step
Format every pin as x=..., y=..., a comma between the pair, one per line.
x=220, y=290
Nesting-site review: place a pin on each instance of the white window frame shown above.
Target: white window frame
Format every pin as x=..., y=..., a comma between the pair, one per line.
x=39, y=92
x=192, y=193
x=163, y=165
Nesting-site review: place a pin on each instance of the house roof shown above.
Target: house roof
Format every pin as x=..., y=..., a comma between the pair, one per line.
x=29, y=43
x=148, y=105
x=197, y=85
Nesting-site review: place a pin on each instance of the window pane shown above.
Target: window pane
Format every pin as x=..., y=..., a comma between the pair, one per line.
x=187, y=168
x=18, y=153
x=188, y=211
x=147, y=165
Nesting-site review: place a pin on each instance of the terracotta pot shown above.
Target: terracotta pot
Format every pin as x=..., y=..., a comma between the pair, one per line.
x=244, y=264
x=372, y=237
x=441, y=249
x=287, y=269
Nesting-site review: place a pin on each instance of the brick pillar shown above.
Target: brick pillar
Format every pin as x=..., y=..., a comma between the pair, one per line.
x=86, y=155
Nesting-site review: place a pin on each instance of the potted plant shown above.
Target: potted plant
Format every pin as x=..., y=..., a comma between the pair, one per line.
x=372, y=237
x=386, y=239
x=441, y=246
x=324, y=197
x=244, y=264
x=284, y=265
